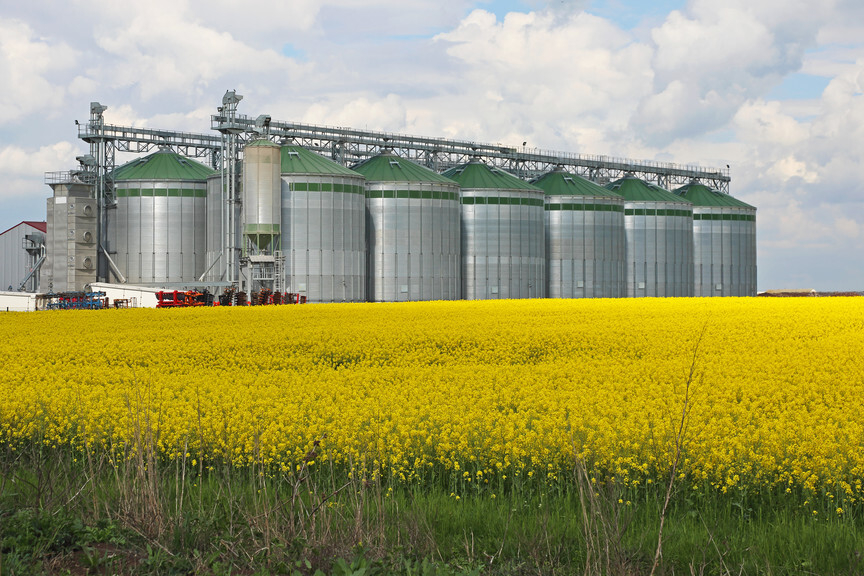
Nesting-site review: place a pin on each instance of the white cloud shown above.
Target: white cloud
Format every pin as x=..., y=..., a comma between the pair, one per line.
x=545, y=77
x=258, y=17
x=691, y=87
x=160, y=47
x=847, y=227
x=386, y=114
x=765, y=123
x=82, y=86
x=710, y=43
x=828, y=143
x=27, y=63
x=789, y=168
x=714, y=57
x=16, y=161
x=373, y=20
x=23, y=192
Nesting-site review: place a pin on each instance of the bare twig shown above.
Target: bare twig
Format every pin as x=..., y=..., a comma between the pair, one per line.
x=679, y=446
x=716, y=548
x=75, y=495
x=503, y=540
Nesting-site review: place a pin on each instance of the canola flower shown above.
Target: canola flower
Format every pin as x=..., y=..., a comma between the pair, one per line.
x=483, y=391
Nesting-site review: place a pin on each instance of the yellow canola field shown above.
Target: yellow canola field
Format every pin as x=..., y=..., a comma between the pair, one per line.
x=488, y=389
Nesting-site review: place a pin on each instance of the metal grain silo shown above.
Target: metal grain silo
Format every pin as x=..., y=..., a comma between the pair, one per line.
x=262, y=211
x=216, y=265
x=659, y=239
x=157, y=232
x=724, y=242
x=585, y=246
x=412, y=231
x=503, y=243
x=323, y=227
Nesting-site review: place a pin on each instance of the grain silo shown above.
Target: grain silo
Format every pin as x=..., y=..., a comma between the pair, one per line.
x=220, y=262
x=585, y=247
x=724, y=242
x=659, y=237
x=412, y=231
x=261, y=210
x=323, y=227
x=503, y=244
x=260, y=266
x=157, y=232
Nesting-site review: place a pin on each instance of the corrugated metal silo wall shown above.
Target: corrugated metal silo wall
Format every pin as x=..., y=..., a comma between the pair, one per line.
x=724, y=240
x=158, y=230
x=324, y=236
x=414, y=237
x=214, y=261
x=217, y=206
x=503, y=244
x=585, y=248
x=659, y=249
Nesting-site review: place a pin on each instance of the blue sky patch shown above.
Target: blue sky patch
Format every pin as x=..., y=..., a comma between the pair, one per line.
x=503, y=7
x=799, y=86
x=723, y=136
x=629, y=14
x=292, y=51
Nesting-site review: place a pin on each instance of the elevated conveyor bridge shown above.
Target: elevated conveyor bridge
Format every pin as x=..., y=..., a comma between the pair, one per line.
x=223, y=148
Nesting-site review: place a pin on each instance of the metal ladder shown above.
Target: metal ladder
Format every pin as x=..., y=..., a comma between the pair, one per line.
x=278, y=271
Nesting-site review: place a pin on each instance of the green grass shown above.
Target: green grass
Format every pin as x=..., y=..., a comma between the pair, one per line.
x=75, y=513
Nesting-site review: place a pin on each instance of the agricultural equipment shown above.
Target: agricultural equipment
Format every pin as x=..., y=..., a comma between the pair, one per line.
x=74, y=301
x=183, y=299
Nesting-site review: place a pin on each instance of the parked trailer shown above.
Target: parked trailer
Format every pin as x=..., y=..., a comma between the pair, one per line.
x=183, y=299
x=72, y=301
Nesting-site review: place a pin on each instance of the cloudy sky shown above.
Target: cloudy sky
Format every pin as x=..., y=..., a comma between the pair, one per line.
x=771, y=87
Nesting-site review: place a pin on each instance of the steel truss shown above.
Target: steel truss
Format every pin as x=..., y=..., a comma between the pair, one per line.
x=223, y=152
x=348, y=146
x=143, y=140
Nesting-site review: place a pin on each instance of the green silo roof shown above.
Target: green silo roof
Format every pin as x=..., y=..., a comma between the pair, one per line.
x=475, y=175
x=162, y=165
x=387, y=167
x=635, y=190
x=299, y=160
x=561, y=183
x=701, y=195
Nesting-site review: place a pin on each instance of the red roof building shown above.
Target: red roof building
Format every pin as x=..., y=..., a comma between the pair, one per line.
x=21, y=248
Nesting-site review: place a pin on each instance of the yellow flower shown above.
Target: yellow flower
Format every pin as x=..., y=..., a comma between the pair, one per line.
x=401, y=393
